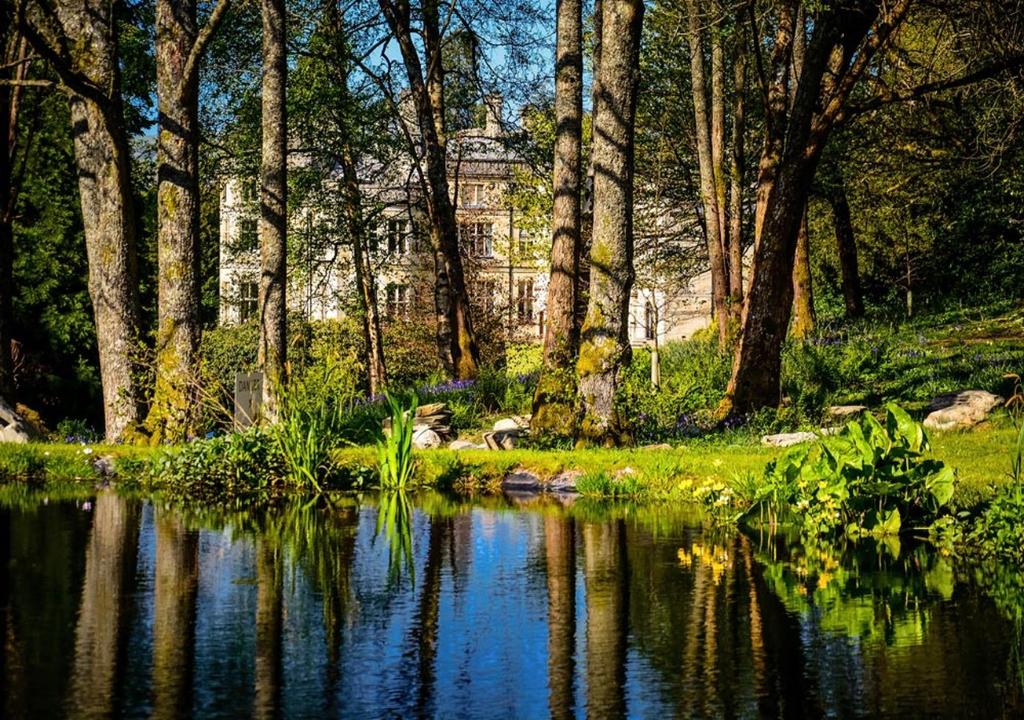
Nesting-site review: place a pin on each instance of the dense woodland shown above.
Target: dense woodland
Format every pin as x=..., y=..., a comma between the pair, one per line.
x=864, y=155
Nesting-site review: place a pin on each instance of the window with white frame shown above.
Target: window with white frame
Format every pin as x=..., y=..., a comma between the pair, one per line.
x=524, y=300
x=398, y=301
x=477, y=238
x=248, y=299
x=485, y=294
x=399, y=239
x=650, y=321
x=473, y=194
x=525, y=243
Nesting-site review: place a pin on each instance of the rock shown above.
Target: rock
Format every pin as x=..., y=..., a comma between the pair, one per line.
x=842, y=413
x=521, y=480
x=518, y=422
x=787, y=439
x=503, y=439
x=12, y=428
x=425, y=438
x=962, y=409
x=657, y=446
x=564, y=482
x=463, y=445
x=432, y=409
x=104, y=466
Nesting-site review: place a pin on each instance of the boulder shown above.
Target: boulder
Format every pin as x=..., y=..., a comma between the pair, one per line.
x=521, y=480
x=657, y=446
x=518, y=422
x=962, y=409
x=788, y=439
x=425, y=438
x=843, y=413
x=564, y=482
x=463, y=445
x=12, y=428
x=503, y=439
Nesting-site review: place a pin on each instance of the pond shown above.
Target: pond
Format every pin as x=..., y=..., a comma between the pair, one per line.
x=115, y=606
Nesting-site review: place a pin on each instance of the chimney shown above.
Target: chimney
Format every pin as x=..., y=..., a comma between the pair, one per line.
x=494, y=103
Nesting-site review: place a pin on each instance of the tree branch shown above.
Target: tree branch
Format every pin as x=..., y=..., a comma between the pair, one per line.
x=200, y=45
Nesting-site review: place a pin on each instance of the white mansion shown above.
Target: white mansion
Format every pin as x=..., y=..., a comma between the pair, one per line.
x=506, y=263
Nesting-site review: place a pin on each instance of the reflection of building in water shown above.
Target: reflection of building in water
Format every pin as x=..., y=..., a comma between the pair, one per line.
x=506, y=261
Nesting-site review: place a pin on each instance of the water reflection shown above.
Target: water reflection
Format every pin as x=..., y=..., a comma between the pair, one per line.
x=117, y=608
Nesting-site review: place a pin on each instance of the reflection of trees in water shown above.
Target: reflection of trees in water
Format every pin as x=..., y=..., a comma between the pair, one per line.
x=102, y=618
x=606, y=570
x=174, y=615
x=268, y=666
x=560, y=565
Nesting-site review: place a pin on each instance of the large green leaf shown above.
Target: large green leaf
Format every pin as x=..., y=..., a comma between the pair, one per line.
x=941, y=485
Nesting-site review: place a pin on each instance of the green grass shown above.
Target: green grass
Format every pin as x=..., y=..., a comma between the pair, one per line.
x=59, y=462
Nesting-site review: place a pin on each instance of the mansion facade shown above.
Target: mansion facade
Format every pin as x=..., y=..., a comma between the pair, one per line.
x=506, y=259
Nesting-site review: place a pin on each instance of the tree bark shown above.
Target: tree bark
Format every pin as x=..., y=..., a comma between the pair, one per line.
x=456, y=338
x=604, y=348
x=845, y=39
x=846, y=243
x=179, y=45
x=89, y=69
x=273, y=207
x=555, y=396
x=366, y=286
x=803, y=292
x=177, y=341
x=737, y=169
x=605, y=566
x=706, y=156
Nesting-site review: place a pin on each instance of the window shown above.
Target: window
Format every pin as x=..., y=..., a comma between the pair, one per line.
x=248, y=300
x=485, y=294
x=524, y=300
x=248, y=237
x=476, y=238
x=650, y=321
x=398, y=237
x=525, y=243
x=473, y=195
x=248, y=191
x=398, y=300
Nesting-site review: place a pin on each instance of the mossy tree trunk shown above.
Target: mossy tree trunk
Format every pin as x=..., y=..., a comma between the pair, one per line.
x=606, y=572
x=604, y=341
x=89, y=69
x=179, y=45
x=844, y=40
x=456, y=339
x=553, y=404
x=273, y=207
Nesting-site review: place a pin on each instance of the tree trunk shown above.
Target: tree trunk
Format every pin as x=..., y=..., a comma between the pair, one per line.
x=604, y=349
x=706, y=166
x=587, y=191
x=737, y=168
x=846, y=243
x=177, y=342
x=366, y=287
x=174, y=616
x=273, y=207
x=803, y=289
x=554, y=401
x=89, y=68
x=844, y=40
x=456, y=338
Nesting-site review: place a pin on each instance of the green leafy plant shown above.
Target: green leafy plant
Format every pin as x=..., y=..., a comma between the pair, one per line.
x=872, y=479
x=394, y=450
x=310, y=424
x=394, y=520
x=999, y=532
